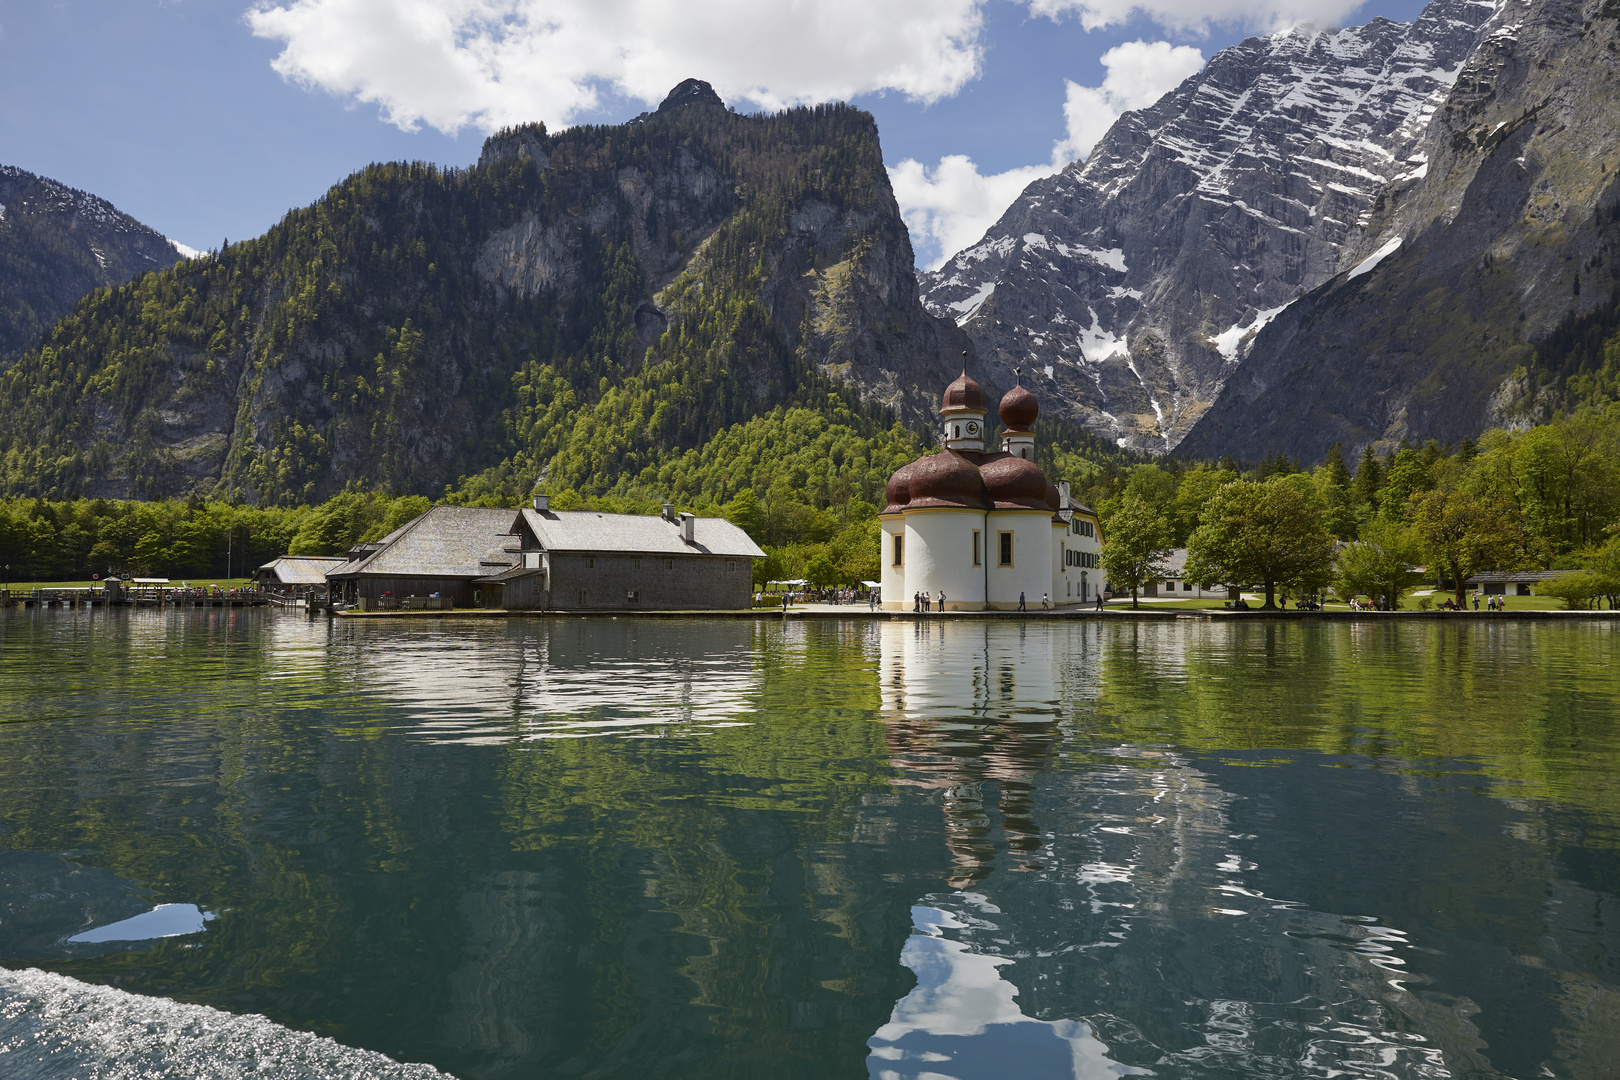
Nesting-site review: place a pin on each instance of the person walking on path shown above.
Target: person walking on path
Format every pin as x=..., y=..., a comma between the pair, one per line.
x=1476, y=601
x=916, y=602
x=1099, y=600
x=1046, y=605
x=1021, y=602
x=942, y=599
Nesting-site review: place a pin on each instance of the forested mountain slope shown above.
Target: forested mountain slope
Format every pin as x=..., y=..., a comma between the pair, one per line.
x=56, y=245
x=1136, y=280
x=587, y=306
x=1484, y=288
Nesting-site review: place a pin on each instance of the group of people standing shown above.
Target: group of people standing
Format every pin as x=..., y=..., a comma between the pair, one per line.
x=920, y=602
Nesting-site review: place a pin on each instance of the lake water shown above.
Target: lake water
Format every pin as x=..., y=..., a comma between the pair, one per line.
x=239, y=843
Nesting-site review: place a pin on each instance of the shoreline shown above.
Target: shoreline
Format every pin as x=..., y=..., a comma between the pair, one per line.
x=855, y=612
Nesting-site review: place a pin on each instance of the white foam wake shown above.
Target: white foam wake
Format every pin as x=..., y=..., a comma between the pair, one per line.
x=53, y=1026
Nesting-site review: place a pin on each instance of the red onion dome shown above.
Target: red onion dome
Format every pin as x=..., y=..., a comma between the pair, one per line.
x=963, y=395
x=1019, y=409
x=897, y=493
x=945, y=479
x=1015, y=483
x=1053, y=499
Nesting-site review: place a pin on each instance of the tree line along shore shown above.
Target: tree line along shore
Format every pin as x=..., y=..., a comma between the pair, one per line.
x=1545, y=497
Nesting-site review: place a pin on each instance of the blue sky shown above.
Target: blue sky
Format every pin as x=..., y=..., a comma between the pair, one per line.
x=209, y=119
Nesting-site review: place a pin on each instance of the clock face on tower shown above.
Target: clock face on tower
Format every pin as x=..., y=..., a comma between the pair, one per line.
x=973, y=429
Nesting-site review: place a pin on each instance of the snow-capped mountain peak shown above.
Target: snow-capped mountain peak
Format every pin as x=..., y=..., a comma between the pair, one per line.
x=1140, y=276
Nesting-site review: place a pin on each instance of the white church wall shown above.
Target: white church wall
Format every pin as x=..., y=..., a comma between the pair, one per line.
x=939, y=556
x=893, y=576
x=1031, y=569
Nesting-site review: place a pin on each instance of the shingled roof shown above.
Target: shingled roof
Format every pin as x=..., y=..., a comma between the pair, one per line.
x=1513, y=577
x=301, y=569
x=447, y=541
x=640, y=534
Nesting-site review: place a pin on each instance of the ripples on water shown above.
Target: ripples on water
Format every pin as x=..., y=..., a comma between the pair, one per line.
x=702, y=848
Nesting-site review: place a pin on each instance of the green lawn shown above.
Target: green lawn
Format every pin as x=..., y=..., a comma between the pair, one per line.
x=1514, y=603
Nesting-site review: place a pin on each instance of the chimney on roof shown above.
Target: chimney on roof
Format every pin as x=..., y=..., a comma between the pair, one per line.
x=1063, y=493
x=689, y=528
x=542, y=502
x=669, y=512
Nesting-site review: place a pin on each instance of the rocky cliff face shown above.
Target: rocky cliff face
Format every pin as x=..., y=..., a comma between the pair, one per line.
x=56, y=244
x=589, y=303
x=1136, y=282
x=1462, y=265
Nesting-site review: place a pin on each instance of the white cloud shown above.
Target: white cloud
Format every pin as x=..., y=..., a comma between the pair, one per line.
x=949, y=207
x=1197, y=16
x=489, y=63
x=1139, y=73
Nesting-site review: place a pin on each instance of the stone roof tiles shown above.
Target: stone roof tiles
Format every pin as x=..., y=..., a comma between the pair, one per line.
x=303, y=569
x=644, y=534
x=447, y=541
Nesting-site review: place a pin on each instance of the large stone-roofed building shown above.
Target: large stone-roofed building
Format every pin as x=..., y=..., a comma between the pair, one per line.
x=442, y=552
x=596, y=561
x=544, y=559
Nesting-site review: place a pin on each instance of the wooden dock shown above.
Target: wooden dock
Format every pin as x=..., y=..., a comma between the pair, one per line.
x=94, y=597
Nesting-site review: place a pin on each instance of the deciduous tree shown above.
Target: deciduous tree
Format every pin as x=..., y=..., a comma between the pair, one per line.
x=1376, y=564
x=1270, y=533
x=1465, y=535
x=1137, y=546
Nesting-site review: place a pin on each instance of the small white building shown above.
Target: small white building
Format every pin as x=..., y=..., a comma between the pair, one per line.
x=1176, y=586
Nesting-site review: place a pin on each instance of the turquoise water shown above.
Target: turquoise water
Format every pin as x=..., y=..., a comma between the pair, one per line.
x=240, y=843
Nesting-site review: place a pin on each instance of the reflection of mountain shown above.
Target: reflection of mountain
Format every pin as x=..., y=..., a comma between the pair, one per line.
x=1194, y=916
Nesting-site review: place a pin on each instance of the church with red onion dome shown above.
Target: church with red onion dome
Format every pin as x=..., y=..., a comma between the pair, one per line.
x=985, y=527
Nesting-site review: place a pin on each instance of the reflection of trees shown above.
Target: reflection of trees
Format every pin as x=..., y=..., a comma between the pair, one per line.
x=580, y=904
x=1250, y=920
x=743, y=921
x=1528, y=702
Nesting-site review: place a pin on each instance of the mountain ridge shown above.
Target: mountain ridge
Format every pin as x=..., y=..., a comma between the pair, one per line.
x=1139, y=278
x=57, y=243
x=581, y=306
x=1512, y=233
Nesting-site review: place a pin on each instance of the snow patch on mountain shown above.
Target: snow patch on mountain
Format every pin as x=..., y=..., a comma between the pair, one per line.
x=1235, y=193
x=1230, y=340
x=1366, y=265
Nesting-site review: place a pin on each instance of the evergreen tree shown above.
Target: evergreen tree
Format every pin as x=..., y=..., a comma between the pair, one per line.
x=1368, y=485
x=1337, y=498
x=1407, y=477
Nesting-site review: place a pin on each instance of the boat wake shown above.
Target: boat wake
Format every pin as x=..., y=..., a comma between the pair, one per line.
x=53, y=1027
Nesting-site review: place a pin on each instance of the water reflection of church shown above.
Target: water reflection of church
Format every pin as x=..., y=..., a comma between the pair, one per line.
x=1080, y=870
